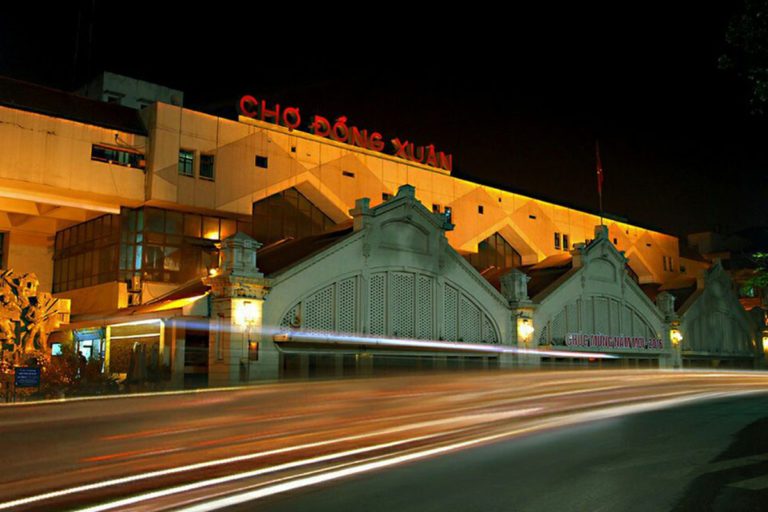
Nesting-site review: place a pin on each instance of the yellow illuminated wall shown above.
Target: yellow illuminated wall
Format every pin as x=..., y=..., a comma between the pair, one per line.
x=320, y=168
x=48, y=182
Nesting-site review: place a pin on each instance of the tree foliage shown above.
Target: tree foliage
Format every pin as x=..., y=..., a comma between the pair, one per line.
x=747, y=50
x=759, y=279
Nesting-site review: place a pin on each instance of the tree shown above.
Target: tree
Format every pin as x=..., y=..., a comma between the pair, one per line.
x=758, y=283
x=747, y=51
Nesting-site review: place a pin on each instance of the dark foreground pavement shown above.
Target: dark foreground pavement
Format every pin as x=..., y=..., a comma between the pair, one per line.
x=711, y=455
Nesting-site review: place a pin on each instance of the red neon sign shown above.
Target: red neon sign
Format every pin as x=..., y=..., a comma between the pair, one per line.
x=340, y=131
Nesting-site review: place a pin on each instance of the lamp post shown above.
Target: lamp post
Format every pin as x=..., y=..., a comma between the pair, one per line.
x=247, y=314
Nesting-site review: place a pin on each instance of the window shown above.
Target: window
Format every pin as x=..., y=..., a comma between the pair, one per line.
x=117, y=156
x=386, y=197
x=664, y=259
x=557, y=240
x=206, y=167
x=532, y=217
x=566, y=242
x=293, y=149
x=494, y=252
x=287, y=214
x=262, y=161
x=186, y=162
x=348, y=174
x=447, y=212
x=480, y=209
x=615, y=242
x=435, y=208
x=151, y=243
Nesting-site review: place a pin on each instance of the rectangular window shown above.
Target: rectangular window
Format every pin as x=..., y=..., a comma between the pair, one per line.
x=262, y=161
x=448, y=213
x=117, y=156
x=435, y=208
x=480, y=209
x=386, y=197
x=348, y=174
x=186, y=162
x=206, y=167
x=664, y=259
x=566, y=242
x=557, y=240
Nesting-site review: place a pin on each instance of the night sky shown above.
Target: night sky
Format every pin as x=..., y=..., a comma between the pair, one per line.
x=517, y=97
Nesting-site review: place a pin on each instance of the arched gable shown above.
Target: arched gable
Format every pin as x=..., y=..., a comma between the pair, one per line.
x=714, y=322
x=597, y=299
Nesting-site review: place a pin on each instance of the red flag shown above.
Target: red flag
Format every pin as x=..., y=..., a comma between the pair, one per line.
x=599, y=170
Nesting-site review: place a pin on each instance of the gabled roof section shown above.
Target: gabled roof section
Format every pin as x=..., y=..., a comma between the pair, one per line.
x=51, y=102
x=282, y=255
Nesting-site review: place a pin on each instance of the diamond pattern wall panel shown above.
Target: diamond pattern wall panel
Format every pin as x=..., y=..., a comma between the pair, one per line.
x=346, y=293
x=425, y=307
x=318, y=311
x=378, y=303
x=450, y=308
x=469, y=321
x=403, y=304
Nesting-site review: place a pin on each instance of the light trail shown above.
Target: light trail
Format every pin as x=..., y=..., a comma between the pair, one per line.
x=352, y=340
x=191, y=467
x=269, y=490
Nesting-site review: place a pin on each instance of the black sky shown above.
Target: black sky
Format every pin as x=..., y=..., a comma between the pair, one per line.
x=517, y=96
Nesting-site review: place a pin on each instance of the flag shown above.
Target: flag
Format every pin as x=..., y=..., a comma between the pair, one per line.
x=599, y=170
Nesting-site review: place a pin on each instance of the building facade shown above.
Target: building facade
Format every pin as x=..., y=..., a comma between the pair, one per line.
x=134, y=216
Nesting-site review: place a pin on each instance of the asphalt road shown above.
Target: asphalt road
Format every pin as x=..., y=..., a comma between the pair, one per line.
x=712, y=455
x=491, y=440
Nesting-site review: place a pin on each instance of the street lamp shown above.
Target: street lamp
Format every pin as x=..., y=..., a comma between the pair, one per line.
x=524, y=329
x=247, y=314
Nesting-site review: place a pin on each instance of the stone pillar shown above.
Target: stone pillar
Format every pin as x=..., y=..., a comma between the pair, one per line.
x=238, y=291
x=672, y=335
x=514, y=288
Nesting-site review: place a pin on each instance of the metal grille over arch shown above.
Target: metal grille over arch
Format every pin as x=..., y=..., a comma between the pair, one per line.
x=596, y=315
x=400, y=304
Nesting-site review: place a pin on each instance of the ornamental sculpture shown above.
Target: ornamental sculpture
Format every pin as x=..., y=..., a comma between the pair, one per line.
x=26, y=316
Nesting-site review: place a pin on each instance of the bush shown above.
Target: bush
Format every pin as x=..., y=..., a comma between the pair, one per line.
x=69, y=374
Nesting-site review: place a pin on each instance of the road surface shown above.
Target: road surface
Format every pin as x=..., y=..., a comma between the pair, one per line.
x=455, y=440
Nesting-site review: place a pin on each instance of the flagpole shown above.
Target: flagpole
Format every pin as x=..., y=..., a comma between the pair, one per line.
x=599, y=179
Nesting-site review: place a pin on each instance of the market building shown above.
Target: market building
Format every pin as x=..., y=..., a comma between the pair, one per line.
x=214, y=243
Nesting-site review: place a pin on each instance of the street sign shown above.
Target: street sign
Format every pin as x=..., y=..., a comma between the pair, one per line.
x=25, y=377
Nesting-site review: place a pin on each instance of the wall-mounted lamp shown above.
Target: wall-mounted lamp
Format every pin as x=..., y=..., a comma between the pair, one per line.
x=676, y=336
x=246, y=312
x=524, y=329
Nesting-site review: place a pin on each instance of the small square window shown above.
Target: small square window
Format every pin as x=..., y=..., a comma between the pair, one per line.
x=186, y=162
x=262, y=161
x=206, y=167
x=480, y=209
x=293, y=149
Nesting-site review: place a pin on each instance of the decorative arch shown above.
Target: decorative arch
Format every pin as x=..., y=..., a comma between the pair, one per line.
x=400, y=303
x=596, y=314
